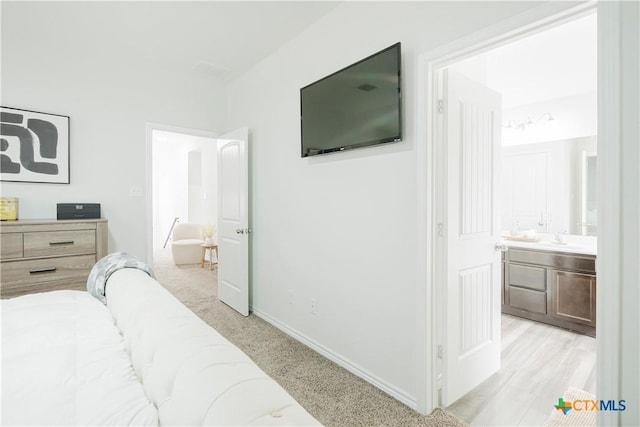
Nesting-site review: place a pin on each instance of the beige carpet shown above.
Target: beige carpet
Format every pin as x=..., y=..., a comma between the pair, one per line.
x=573, y=417
x=334, y=396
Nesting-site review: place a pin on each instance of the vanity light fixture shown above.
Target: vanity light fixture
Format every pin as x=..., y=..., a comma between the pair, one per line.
x=512, y=124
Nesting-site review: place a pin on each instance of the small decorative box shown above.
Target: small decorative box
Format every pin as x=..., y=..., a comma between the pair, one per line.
x=8, y=208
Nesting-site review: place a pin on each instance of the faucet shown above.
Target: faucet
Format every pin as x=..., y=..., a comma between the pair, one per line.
x=560, y=238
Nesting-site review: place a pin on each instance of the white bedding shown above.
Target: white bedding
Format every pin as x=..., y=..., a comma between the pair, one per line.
x=68, y=338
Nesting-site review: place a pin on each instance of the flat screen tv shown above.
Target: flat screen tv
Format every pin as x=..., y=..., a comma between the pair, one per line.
x=355, y=107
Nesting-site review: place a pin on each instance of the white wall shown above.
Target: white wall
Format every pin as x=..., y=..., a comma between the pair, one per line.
x=341, y=229
x=574, y=116
x=210, y=183
x=196, y=201
x=109, y=101
x=169, y=189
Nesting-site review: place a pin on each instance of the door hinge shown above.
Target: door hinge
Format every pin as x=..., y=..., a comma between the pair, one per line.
x=440, y=229
x=440, y=351
x=440, y=106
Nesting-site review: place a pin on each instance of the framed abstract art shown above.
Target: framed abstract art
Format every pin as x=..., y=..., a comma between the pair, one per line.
x=34, y=146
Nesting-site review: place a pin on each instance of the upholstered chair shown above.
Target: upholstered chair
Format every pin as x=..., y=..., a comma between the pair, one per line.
x=186, y=243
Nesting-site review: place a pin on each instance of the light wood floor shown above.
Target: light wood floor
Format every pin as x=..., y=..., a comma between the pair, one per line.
x=539, y=363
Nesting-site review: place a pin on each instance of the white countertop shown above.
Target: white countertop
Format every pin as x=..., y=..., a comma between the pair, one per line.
x=583, y=245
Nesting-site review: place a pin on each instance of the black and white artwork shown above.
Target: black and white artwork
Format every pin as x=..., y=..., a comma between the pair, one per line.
x=34, y=147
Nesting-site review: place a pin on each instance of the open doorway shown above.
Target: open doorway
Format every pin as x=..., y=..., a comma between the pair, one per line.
x=183, y=185
x=548, y=128
x=208, y=178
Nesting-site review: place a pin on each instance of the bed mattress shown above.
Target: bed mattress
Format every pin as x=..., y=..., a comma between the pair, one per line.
x=64, y=363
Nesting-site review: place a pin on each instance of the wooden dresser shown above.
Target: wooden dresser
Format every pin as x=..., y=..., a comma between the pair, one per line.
x=45, y=255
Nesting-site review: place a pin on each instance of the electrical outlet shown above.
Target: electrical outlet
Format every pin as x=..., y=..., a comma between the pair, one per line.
x=314, y=306
x=135, y=191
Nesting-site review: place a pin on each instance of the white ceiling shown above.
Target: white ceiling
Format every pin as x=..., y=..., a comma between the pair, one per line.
x=216, y=38
x=225, y=38
x=553, y=64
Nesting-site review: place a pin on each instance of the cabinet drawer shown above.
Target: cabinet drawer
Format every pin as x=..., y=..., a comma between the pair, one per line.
x=528, y=277
x=527, y=299
x=57, y=243
x=23, y=273
x=564, y=262
x=11, y=246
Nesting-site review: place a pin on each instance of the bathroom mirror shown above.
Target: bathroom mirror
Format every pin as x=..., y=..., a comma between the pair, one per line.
x=550, y=186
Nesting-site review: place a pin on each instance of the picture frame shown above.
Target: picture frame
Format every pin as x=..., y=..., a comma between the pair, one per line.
x=34, y=146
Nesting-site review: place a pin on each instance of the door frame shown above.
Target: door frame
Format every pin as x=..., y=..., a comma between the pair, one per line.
x=148, y=182
x=430, y=286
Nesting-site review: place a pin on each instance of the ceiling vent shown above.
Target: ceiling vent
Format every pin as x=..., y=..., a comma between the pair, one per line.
x=207, y=68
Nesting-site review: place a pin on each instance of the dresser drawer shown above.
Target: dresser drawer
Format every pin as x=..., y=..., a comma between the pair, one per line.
x=59, y=243
x=46, y=255
x=64, y=269
x=10, y=246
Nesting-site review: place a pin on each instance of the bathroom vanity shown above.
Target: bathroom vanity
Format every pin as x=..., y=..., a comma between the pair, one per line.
x=551, y=284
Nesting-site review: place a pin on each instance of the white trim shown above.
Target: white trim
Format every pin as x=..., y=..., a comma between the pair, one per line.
x=148, y=184
x=537, y=19
x=339, y=360
x=426, y=345
x=618, y=376
x=608, y=188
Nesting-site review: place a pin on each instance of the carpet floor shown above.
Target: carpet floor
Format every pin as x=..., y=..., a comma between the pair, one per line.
x=333, y=395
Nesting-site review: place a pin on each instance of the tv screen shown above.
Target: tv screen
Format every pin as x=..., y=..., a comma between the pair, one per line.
x=355, y=107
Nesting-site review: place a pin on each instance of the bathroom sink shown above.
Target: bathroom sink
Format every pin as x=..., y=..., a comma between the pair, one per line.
x=559, y=246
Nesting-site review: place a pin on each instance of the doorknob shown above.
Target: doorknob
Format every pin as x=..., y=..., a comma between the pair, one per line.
x=243, y=231
x=501, y=247
x=239, y=231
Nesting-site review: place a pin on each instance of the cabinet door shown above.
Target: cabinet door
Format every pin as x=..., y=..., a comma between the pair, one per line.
x=573, y=297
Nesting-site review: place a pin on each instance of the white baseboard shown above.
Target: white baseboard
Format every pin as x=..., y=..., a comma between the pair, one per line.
x=346, y=364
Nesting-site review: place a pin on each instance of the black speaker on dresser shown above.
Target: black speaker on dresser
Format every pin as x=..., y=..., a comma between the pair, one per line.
x=78, y=210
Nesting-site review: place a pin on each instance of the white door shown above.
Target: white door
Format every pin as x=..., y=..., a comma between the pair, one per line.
x=233, y=220
x=473, y=266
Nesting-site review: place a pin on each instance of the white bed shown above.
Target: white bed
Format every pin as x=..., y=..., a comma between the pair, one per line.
x=143, y=359
x=63, y=363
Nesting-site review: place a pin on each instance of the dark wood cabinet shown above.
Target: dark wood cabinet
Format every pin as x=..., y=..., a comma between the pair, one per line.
x=550, y=287
x=573, y=297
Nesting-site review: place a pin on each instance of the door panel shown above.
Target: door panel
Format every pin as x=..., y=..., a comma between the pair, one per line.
x=475, y=303
x=473, y=288
x=233, y=221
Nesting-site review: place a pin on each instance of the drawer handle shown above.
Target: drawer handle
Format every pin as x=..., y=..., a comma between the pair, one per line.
x=43, y=270
x=68, y=242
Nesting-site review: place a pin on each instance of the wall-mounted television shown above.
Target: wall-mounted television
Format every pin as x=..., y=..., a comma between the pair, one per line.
x=357, y=106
